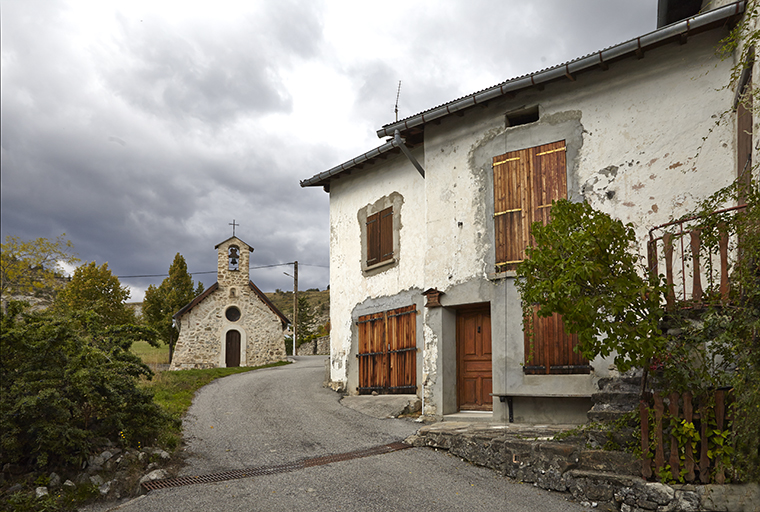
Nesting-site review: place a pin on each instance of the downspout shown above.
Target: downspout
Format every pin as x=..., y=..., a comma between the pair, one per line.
x=397, y=138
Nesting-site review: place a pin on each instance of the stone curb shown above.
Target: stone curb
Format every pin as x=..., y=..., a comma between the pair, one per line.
x=611, y=479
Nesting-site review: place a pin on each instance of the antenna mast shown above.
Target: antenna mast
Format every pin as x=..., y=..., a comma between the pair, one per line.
x=398, y=93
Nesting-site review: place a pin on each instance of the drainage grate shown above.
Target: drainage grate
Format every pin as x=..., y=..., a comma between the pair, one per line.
x=237, y=474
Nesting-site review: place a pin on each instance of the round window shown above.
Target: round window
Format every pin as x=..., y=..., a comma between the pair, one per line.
x=232, y=314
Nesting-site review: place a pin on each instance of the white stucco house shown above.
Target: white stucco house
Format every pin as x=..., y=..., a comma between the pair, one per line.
x=232, y=323
x=426, y=229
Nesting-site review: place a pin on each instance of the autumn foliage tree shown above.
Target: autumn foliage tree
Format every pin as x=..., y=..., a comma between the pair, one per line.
x=94, y=288
x=33, y=265
x=162, y=302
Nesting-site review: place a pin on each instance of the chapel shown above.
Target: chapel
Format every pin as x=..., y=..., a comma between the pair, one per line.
x=232, y=323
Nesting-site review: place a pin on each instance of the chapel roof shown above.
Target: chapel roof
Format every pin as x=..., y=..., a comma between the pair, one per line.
x=230, y=238
x=261, y=295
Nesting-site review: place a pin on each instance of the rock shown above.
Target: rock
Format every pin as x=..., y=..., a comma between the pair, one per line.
x=40, y=492
x=659, y=493
x=15, y=488
x=96, y=480
x=54, y=481
x=69, y=485
x=82, y=478
x=105, y=488
x=687, y=501
x=156, y=474
x=94, y=468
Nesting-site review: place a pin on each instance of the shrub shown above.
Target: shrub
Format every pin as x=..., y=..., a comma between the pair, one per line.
x=68, y=385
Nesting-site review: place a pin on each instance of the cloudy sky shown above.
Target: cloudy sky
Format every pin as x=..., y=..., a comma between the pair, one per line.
x=143, y=128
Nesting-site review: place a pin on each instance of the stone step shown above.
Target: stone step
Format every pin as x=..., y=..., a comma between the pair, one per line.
x=606, y=415
x=620, y=384
x=607, y=397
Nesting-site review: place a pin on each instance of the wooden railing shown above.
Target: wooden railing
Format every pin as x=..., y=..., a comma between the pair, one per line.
x=690, y=457
x=678, y=246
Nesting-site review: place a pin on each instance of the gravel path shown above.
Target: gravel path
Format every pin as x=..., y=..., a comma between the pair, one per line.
x=283, y=414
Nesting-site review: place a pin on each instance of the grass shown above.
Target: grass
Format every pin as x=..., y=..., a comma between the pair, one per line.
x=150, y=354
x=174, y=391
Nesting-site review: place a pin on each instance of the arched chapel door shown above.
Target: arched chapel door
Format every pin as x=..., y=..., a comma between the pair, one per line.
x=232, y=349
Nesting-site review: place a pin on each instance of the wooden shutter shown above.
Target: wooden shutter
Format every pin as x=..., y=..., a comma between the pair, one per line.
x=509, y=173
x=388, y=351
x=525, y=184
x=386, y=234
x=380, y=236
x=372, y=353
x=744, y=139
x=402, y=349
x=373, y=239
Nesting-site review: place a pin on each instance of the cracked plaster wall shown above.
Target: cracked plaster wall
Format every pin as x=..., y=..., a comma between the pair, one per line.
x=349, y=287
x=642, y=145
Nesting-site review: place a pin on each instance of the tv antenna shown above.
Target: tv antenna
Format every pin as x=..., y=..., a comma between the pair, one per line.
x=398, y=93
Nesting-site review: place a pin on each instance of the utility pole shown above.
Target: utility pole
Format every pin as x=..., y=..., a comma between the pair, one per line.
x=295, y=303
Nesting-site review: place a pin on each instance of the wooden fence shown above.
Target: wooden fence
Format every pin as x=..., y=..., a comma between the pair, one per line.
x=678, y=246
x=689, y=454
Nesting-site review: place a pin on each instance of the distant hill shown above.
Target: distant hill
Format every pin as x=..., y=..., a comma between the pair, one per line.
x=319, y=301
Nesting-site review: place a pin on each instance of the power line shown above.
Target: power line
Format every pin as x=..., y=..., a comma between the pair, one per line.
x=214, y=271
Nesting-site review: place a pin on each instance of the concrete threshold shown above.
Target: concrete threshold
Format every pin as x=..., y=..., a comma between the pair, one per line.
x=470, y=417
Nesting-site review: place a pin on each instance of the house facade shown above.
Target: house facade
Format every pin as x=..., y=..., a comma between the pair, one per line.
x=427, y=228
x=232, y=323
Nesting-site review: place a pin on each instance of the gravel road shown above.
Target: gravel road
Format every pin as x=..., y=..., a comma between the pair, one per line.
x=280, y=415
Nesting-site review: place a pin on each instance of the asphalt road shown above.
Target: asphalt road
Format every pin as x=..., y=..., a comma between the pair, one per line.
x=280, y=415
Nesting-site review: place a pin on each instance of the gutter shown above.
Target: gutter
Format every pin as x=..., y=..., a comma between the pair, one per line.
x=324, y=177
x=636, y=46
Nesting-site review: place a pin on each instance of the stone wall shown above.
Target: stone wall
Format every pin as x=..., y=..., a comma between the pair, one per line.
x=316, y=347
x=608, y=480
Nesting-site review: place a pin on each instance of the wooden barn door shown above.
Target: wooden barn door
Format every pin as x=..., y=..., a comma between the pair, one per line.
x=525, y=184
x=474, y=375
x=388, y=351
x=232, y=349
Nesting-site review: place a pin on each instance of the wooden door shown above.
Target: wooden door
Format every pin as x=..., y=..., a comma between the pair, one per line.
x=474, y=376
x=232, y=349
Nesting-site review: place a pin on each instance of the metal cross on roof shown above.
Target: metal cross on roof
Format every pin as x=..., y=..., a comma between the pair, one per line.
x=233, y=226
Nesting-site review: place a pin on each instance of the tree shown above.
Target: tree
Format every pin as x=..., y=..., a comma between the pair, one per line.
x=33, y=265
x=305, y=321
x=96, y=289
x=583, y=267
x=162, y=303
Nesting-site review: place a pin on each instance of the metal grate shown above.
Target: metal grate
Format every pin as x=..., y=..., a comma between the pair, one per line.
x=238, y=474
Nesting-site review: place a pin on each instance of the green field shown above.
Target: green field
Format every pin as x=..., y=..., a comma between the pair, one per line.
x=151, y=355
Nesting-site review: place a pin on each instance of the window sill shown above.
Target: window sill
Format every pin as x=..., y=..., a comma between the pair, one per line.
x=497, y=276
x=380, y=265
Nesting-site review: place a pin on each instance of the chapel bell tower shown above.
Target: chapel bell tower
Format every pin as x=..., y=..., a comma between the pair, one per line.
x=232, y=264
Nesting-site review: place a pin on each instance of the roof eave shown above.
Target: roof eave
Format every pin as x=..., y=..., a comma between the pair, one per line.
x=323, y=178
x=682, y=28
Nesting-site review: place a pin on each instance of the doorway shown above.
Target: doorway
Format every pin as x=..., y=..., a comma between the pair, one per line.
x=474, y=373
x=232, y=349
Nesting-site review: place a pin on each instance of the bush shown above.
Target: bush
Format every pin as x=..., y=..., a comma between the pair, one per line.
x=67, y=386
